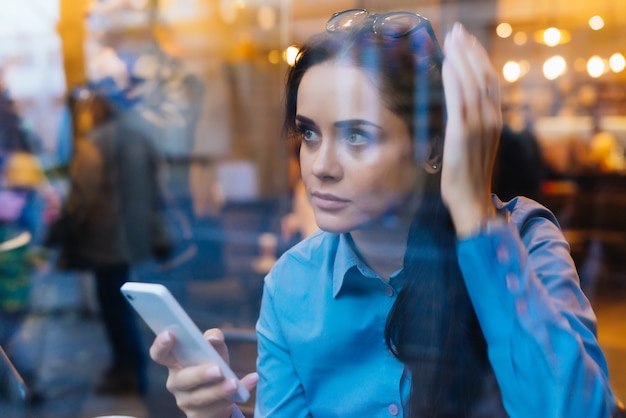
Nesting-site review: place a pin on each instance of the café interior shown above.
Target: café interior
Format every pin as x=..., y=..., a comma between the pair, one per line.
x=205, y=80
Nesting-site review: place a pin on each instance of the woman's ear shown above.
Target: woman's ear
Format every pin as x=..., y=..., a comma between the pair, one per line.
x=432, y=165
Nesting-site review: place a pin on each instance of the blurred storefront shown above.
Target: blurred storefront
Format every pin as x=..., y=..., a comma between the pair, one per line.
x=32, y=69
x=207, y=74
x=203, y=80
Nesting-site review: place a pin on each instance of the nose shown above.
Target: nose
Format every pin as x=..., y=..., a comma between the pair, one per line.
x=326, y=163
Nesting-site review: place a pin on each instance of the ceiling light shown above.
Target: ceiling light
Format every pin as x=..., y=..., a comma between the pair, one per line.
x=596, y=23
x=504, y=30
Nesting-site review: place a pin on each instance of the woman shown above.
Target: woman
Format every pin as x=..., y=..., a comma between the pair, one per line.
x=424, y=296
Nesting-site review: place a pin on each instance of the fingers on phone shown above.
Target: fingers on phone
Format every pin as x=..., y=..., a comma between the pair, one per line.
x=250, y=380
x=161, y=349
x=215, y=336
x=208, y=379
x=189, y=379
x=197, y=401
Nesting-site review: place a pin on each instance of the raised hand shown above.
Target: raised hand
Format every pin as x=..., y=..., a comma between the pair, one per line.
x=472, y=132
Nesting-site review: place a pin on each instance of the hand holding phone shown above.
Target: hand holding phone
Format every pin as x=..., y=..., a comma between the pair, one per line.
x=160, y=310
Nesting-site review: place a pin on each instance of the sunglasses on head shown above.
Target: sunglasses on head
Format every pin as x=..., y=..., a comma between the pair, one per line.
x=393, y=25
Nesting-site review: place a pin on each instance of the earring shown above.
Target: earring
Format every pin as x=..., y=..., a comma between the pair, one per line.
x=432, y=167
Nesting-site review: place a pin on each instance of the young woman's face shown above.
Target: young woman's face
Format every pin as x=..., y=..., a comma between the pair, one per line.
x=356, y=157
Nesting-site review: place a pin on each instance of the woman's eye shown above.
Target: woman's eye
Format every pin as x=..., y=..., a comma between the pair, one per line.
x=307, y=134
x=357, y=138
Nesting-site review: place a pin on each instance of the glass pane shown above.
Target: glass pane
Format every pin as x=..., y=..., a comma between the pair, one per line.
x=154, y=140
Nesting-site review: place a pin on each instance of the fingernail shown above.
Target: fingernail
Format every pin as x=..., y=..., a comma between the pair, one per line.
x=165, y=338
x=459, y=32
x=213, y=372
x=253, y=378
x=213, y=338
x=230, y=385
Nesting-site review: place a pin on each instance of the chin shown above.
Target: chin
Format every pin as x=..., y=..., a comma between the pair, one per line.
x=339, y=224
x=333, y=227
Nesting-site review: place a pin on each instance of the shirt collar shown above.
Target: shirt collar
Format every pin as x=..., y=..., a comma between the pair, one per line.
x=346, y=259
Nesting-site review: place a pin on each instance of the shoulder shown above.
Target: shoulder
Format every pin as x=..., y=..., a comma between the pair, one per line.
x=314, y=251
x=524, y=212
x=538, y=227
x=304, y=261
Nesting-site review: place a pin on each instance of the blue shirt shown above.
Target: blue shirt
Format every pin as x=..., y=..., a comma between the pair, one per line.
x=321, y=343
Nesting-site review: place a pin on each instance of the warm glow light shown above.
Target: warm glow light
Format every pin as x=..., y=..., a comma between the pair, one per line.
x=266, y=16
x=274, y=56
x=524, y=66
x=554, y=67
x=511, y=71
x=552, y=36
x=617, y=62
x=228, y=12
x=504, y=30
x=595, y=66
x=138, y=4
x=596, y=23
x=580, y=65
x=520, y=38
x=290, y=55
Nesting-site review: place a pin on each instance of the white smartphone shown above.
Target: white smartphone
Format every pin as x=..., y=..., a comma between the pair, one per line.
x=160, y=310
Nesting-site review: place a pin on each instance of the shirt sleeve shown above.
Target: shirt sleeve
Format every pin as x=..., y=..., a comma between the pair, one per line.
x=279, y=391
x=539, y=327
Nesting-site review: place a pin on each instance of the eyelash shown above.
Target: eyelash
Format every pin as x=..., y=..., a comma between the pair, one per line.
x=303, y=130
x=343, y=134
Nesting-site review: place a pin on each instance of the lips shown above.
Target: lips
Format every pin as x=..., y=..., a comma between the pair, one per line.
x=326, y=201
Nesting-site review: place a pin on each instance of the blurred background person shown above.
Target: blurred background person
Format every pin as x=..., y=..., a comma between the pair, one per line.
x=112, y=219
x=299, y=223
x=23, y=187
x=519, y=168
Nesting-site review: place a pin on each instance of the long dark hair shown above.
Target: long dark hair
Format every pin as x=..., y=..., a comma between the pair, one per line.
x=432, y=327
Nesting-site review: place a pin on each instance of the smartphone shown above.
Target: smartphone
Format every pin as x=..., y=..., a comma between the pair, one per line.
x=160, y=310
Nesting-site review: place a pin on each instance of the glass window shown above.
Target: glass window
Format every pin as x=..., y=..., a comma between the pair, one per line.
x=144, y=140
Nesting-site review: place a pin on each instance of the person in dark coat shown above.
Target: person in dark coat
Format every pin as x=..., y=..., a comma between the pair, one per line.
x=113, y=219
x=519, y=169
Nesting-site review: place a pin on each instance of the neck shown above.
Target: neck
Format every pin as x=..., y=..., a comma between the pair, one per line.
x=382, y=243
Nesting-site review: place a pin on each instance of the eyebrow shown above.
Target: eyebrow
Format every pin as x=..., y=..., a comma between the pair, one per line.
x=340, y=124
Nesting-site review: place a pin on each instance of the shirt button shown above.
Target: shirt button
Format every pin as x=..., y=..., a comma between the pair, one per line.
x=390, y=291
x=393, y=409
x=512, y=282
x=502, y=254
